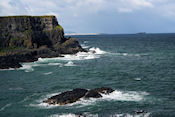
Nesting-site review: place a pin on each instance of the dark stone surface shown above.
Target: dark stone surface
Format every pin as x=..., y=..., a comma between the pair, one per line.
x=104, y=90
x=74, y=95
x=67, y=97
x=93, y=94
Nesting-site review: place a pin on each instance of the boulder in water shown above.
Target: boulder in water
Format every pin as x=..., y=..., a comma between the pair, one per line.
x=104, y=90
x=67, y=97
x=93, y=94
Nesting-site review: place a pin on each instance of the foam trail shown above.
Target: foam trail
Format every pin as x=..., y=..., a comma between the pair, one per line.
x=16, y=88
x=70, y=63
x=126, y=54
x=84, y=46
x=96, y=115
x=64, y=115
x=6, y=106
x=48, y=73
x=55, y=64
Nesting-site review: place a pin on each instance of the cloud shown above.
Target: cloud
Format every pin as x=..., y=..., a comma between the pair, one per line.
x=71, y=13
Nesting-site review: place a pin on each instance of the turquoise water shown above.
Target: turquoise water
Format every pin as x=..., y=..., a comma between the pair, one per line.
x=141, y=69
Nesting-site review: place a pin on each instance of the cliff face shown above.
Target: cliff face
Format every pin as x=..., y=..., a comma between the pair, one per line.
x=38, y=36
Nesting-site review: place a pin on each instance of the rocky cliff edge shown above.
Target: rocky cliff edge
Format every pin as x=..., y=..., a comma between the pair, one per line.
x=26, y=38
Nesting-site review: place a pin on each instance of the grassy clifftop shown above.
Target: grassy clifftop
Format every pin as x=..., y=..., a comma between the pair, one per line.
x=29, y=32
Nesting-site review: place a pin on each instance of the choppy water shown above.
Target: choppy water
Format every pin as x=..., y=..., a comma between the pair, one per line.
x=141, y=69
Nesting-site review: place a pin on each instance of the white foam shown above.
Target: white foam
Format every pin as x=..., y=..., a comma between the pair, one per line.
x=93, y=53
x=137, y=79
x=27, y=67
x=84, y=46
x=70, y=63
x=97, y=50
x=114, y=96
x=16, y=88
x=64, y=115
x=8, y=69
x=131, y=115
x=47, y=73
x=6, y=106
x=125, y=96
x=96, y=115
x=126, y=54
x=55, y=64
x=86, y=42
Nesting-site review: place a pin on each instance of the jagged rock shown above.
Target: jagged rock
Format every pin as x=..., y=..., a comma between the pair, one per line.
x=9, y=63
x=26, y=38
x=92, y=94
x=67, y=97
x=104, y=90
x=74, y=95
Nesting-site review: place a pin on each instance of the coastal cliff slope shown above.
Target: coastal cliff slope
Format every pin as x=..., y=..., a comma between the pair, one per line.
x=26, y=38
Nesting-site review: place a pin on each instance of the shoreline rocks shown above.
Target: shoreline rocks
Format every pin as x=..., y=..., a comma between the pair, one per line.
x=74, y=95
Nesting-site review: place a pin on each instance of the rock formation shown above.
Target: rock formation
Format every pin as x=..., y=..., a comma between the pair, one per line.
x=26, y=38
x=75, y=95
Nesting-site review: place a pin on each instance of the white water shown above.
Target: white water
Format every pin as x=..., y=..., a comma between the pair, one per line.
x=114, y=96
x=47, y=73
x=6, y=106
x=60, y=61
x=96, y=115
x=70, y=63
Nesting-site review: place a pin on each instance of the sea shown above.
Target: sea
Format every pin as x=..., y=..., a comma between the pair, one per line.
x=139, y=67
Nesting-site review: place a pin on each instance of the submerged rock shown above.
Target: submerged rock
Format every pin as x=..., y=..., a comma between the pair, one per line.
x=69, y=97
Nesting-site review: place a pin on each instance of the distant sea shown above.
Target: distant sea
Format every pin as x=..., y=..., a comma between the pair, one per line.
x=140, y=67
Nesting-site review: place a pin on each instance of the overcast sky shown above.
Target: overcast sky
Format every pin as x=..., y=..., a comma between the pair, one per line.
x=100, y=16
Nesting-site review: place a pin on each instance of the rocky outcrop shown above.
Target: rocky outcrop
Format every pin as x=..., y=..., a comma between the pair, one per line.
x=67, y=97
x=75, y=95
x=26, y=38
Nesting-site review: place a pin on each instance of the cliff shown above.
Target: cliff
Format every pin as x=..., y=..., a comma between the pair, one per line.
x=26, y=38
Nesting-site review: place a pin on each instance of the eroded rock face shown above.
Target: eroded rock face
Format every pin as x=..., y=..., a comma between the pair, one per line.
x=31, y=37
x=75, y=95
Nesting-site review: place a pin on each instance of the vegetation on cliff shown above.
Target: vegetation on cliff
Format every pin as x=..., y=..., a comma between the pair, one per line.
x=40, y=35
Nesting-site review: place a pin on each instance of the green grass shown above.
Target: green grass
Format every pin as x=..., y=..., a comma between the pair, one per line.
x=59, y=27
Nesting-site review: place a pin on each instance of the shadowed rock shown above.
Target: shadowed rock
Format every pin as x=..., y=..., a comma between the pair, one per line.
x=93, y=94
x=104, y=90
x=74, y=95
x=67, y=97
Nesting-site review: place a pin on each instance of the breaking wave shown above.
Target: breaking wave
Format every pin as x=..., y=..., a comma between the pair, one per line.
x=147, y=114
x=114, y=96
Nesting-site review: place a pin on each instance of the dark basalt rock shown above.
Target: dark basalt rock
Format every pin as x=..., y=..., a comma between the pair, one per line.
x=74, y=95
x=104, y=90
x=67, y=97
x=93, y=94
x=8, y=62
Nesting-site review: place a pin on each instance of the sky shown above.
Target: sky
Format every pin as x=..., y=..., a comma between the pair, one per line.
x=100, y=16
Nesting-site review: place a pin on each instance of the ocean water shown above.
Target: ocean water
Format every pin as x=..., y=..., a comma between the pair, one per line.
x=140, y=67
